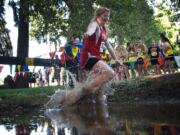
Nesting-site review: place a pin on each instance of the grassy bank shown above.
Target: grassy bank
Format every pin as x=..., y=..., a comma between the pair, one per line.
x=153, y=88
x=26, y=96
x=164, y=88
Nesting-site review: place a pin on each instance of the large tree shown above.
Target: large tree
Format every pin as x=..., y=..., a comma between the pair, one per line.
x=129, y=18
x=23, y=30
x=5, y=42
x=2, y=8
x=59, y=18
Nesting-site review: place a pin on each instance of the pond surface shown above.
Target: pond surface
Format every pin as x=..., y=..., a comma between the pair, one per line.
x=96, y=119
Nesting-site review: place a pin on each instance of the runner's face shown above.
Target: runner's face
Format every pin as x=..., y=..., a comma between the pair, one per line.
x=104, y=17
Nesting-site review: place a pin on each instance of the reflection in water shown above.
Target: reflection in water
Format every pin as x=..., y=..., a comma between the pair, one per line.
x=30, y=123
x=50, y=129
x=162, y=119
x=22, y=129
x=90, y=118
x=93, y=119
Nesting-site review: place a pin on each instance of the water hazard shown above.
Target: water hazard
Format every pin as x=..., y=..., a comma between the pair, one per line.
x=95, y=119
x=92, y=116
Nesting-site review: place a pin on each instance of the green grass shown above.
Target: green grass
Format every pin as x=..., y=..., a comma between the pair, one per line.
x=26, y=96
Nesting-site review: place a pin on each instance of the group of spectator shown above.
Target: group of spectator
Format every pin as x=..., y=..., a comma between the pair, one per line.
x=140, y=60
x=137, y=59
x=43, y=77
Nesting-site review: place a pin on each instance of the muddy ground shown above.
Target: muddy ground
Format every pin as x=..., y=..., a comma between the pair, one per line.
x=148, y=90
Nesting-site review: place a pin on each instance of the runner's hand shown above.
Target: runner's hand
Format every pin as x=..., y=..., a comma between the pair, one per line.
x=116, y=63
x=86, y=35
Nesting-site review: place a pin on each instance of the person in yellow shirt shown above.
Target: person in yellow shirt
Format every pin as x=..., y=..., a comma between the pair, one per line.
x=131, y=59
x=168, y=51
x=122, y=55
x=154, y=54
x=140, y=49
x=105, y=56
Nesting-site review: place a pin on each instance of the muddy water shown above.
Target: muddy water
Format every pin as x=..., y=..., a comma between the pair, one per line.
x=96, y=119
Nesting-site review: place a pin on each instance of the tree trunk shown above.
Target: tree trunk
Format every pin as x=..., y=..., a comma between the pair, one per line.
x=23, y=36
x=23, y=30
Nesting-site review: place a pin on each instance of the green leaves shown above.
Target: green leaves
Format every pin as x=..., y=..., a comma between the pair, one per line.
x=129, y=18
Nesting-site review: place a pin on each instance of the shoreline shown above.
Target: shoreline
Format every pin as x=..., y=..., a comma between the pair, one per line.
x=149, y=90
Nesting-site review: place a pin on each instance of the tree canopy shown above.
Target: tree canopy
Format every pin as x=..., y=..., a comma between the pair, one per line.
x=132, y=19
x=129, y=19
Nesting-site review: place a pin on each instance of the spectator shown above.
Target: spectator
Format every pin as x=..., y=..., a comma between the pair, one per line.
x=122, y=55
x=141, y=52
x=9, y=82
x=154, y=53
x=167, y=48
x=47, y=73
x=132, y=59
x=40, y=78
x=50, y=130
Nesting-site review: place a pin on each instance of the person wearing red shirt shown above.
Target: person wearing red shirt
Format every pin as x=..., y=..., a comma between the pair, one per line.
x=90, y=59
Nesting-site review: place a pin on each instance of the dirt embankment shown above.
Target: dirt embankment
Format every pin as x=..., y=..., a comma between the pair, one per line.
x=151, y=89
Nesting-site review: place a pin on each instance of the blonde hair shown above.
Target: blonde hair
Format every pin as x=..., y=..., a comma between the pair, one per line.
x=101, y=11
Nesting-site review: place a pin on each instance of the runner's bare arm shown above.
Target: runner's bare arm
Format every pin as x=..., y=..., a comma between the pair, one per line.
x=111, y=50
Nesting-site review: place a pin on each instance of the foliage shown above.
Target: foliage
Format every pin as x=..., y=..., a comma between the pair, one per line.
x=2, y=8
x=68, y=18
x=170, y=25
x=80, y=14
x=5, y=43
x=46, y=18
x=130, y=19
x=174, y=6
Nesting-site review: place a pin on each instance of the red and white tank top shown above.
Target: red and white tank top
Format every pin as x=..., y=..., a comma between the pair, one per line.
x=92, y=43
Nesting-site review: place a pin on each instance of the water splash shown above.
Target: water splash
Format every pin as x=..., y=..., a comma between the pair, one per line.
x=107, y=86
x=56, y=99
x=59, y=97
